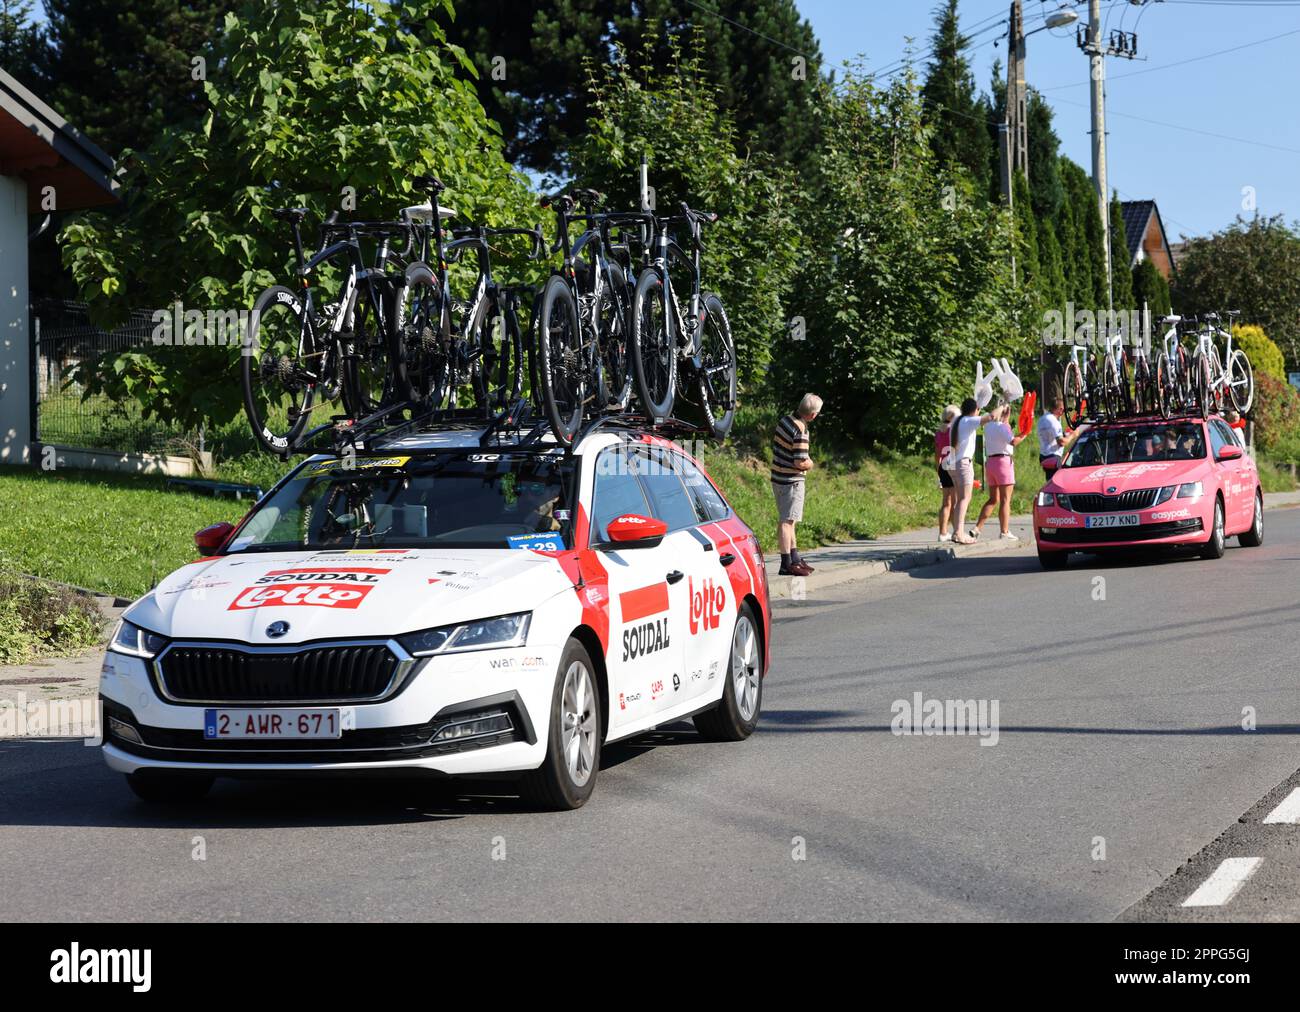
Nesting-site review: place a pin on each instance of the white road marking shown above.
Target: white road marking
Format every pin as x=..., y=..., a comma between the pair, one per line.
x=1225, y=883
x=1289, y=811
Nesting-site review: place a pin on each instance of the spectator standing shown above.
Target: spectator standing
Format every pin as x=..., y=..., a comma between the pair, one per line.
x=1051, y=437
x=1000, y=444
x=942, y=446
x=960, y=463
x=790, y=466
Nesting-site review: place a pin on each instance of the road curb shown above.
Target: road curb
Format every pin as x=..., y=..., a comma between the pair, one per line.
x=785, y=587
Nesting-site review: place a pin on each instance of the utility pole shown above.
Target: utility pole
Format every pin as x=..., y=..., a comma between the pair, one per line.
x=1097, y=71
x=1013, y=133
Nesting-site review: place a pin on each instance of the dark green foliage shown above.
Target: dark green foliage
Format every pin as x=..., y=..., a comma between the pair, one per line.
x=1121, y=277
x=1253, y=266
x=960, y=121
x=1150, y=288
x=531, y=58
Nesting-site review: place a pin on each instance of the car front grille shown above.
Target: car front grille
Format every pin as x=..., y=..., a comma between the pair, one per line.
x=1137, y=499
x=225, y=673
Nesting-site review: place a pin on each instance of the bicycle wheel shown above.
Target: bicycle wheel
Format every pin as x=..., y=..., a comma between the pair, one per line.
x=497, y=373
x=1181, y=379
x=1241, y=381
x=717, y=372
x=615, y=389
x=1163, y=385
x=365, y=370
x=1201, y=383
x=277, y=370
x=419, y=340
x=1217, y=379
x=1143, y=400
x=1076, y=397
x=653, y=353
x=559, y=359
x=1110, y=390
x=1125, y=377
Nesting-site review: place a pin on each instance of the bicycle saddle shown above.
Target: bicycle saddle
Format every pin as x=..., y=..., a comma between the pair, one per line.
x=294, y=214
x=427, y=183
x=424, y=212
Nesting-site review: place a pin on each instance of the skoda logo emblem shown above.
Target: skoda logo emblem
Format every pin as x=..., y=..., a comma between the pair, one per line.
x=1109, y=491
x=277, y=629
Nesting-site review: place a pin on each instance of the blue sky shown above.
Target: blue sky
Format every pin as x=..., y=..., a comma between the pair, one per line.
x=1251, y=95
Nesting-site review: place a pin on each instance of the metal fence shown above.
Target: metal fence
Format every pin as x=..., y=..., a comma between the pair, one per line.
x=64, y=339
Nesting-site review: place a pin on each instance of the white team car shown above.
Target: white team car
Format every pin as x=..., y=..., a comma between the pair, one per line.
x=452, y=604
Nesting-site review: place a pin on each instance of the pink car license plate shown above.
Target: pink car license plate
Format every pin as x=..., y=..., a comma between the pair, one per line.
x=1112, y=520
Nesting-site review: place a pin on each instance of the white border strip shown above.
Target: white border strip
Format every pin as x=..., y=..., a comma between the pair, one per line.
x=1225, y=883
x=1288, y=812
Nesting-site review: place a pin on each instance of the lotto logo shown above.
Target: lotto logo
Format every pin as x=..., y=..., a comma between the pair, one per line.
x=311, y=595
x=706, y=605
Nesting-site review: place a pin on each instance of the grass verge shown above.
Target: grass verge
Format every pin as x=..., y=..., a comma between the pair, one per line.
x=41, y=619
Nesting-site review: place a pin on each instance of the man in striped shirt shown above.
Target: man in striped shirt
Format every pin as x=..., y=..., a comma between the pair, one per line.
x=790, y=464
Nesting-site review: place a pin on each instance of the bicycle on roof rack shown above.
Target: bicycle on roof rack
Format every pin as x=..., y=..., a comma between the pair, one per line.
x=1220, y=381
x=430, y=360
x=580, y=323
x=298, y=358
x=691, y=353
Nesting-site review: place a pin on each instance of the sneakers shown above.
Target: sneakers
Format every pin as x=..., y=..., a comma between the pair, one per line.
x=944, y=537
x=1007, y=537
x=795, y=569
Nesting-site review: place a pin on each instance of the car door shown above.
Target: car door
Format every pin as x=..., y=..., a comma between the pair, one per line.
x=648, y=602
x=1228, y=473
x=710, y=601
x=1239, y=475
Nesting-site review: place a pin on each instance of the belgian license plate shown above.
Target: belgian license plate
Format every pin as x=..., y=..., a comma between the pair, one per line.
x=272, y=724
x=1112, y=520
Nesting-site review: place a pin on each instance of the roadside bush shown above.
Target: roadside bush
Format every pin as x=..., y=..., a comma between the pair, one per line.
x=39, y=619
x=1265, y=356
x=1276, y=413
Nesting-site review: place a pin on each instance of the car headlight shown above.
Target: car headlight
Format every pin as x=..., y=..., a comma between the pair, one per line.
x=1045, y=499
x=131, y=639
x=1063, y=501
x=1190, y=490
x=1165, y=494
x=483, y=634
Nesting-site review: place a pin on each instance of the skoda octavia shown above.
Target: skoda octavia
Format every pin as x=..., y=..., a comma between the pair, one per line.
x=1150, y=482
x=460, y=603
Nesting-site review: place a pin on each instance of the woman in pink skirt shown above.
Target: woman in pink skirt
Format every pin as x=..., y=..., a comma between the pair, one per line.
x=1000, y=444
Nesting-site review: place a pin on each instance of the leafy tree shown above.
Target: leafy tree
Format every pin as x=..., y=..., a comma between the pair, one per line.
x=1150, y=288
x=20, y=40
x=306, y=103
x=531, y=77
x=1252, y=265
x=676, y=121
x=907, y=289
x=1265, y=356
x=959, y=119
x=1088, y=253
x=1121, y=277
x=1045, y=187
x=122, y=70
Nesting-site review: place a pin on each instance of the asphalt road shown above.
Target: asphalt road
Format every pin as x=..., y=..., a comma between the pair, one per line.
x=1120, y=757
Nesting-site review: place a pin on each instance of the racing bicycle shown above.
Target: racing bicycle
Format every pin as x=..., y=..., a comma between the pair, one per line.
x=673, y=352
x=1223, y=380
x=298, y=357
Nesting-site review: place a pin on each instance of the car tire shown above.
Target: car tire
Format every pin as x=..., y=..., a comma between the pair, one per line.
x=168, y=788
x=1213, y=548
x=1053, y=560
x=567, y=775
x=736, y=715
x=1253, y=536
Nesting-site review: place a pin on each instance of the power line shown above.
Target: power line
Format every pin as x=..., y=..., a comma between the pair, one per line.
x=1194, y=130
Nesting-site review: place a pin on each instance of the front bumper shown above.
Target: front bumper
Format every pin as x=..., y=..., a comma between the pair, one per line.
x=392, y=735
x=1055, y=530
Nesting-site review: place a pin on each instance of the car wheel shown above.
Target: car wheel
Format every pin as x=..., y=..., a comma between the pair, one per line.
x=567, y=775
x=1254, y=537
x=1214, y=546
x=168, y=788
x=736, y=715
x=1053, y=560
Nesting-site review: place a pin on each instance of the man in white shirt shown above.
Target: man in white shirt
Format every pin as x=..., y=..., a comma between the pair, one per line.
x=1051, y=437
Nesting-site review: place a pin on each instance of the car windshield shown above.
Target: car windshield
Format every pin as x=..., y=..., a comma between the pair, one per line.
x=456, y=499
x=1130, y=444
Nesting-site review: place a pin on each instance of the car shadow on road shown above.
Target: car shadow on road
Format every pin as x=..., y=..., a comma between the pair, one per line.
x=841, y=722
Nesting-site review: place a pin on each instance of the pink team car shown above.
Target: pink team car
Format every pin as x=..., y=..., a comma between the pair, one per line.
x=1157, y=482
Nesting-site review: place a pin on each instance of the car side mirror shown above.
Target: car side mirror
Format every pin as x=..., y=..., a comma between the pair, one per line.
x=1228, y=453
x=210, y=539
x=632, y=530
